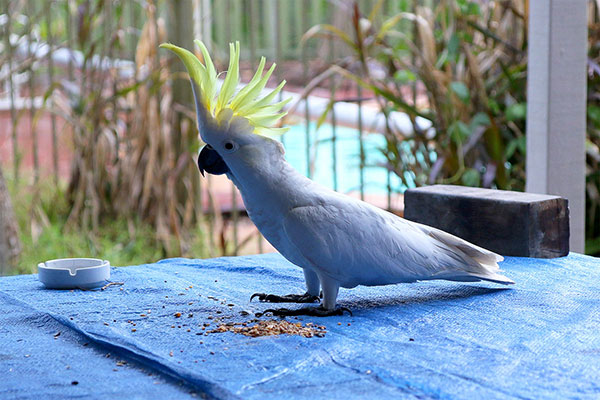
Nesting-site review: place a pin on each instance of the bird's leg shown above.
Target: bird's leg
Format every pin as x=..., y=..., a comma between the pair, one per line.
x=311, y=295
x=326, y=309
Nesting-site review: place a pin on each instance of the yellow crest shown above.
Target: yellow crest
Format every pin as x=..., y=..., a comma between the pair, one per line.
x=226, y=102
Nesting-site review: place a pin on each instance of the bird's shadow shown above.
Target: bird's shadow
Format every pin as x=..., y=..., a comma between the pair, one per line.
x=419, y=297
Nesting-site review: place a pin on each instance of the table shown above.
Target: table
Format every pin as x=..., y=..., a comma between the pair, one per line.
x=145, y=339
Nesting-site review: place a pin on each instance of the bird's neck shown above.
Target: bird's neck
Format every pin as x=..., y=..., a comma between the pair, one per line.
x=274, y=184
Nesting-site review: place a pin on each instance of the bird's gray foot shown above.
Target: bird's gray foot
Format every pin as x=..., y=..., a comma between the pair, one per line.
x=290, y=298
x=310, y=311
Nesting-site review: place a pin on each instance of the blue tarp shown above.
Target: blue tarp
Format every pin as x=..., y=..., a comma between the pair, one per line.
x=538, y=339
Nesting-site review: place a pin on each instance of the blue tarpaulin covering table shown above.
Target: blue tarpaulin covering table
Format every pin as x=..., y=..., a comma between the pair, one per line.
x=537, y=339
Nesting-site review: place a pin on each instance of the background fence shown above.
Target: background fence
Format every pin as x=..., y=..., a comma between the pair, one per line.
x=93, y=112
x=74, y=74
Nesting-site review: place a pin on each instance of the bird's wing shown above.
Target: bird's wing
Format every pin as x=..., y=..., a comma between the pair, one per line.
x=356, y=243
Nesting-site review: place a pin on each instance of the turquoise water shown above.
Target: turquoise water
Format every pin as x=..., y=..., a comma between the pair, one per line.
x=347, y=147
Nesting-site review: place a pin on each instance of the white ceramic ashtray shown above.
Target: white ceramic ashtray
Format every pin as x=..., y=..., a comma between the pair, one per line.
x=72, y=273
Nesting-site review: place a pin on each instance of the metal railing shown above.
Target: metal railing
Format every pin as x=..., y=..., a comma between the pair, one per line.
x=42, y=43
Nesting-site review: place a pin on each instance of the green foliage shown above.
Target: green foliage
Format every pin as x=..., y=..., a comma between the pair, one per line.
x=117, y=241
x=464, y=62
x=593, y=138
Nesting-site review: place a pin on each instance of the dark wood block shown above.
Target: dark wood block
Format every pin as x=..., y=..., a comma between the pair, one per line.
x=508, y=223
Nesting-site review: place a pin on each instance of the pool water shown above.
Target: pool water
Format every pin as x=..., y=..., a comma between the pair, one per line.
x=347, y=147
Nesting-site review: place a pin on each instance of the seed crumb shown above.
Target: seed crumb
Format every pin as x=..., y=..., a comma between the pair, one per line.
x=271, y=328
x=177, y=314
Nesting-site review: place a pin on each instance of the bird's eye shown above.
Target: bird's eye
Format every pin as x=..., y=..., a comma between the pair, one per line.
x=230, y=146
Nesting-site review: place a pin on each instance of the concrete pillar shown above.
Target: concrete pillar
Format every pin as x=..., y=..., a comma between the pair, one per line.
x=556, y=100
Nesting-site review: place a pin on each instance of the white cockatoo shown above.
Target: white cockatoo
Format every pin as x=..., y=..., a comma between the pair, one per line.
x=338, y=241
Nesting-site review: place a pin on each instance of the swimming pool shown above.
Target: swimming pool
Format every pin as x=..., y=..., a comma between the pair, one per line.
x=347, y=158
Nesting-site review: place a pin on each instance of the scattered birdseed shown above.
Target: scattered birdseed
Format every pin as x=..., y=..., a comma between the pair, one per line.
x=133, y=329
x=190, y=315
x=74, y=383
x=411, y=339
x=56, y=335
x=177, y=314
x=171, y=353
x=121, y=363
x=339, y=323
x=271, y=328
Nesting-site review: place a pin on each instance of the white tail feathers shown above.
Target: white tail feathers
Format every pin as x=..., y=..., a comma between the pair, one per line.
x=477, y=262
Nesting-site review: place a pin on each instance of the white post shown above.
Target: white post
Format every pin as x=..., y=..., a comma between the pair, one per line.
x=556, y=106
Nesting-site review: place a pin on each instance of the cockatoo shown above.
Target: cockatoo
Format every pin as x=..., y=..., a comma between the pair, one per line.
x=337, y=240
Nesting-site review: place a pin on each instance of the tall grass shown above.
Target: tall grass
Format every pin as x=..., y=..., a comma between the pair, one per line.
x=122, y=242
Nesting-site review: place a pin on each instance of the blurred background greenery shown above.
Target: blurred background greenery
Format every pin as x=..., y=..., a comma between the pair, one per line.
x=98, y=139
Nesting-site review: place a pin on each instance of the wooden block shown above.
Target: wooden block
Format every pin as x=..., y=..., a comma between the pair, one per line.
x=508, y=223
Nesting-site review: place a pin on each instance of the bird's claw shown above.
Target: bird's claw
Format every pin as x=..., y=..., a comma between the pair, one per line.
x=310, y=311
x=261, y=296
x=290, y=298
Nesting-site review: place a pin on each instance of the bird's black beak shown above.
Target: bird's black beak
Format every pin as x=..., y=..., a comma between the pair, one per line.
x=210, y=161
